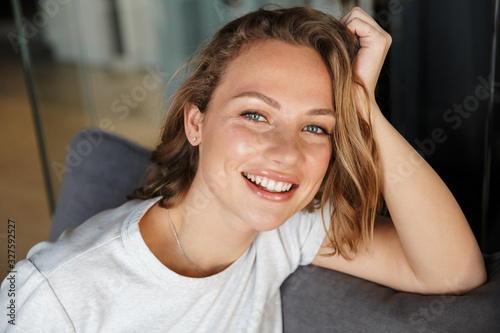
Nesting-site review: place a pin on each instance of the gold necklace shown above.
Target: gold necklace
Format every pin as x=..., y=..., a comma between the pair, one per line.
x=199, y=270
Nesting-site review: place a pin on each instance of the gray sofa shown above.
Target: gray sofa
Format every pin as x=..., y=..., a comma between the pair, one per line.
x=102, y=168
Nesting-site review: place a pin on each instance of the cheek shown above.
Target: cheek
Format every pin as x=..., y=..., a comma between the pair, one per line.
x=241, y=143
x=318, y=160
x=228, y=144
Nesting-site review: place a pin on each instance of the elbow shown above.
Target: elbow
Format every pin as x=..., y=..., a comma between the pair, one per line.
x=459, y=281
x=469, y=276
x=469, y=281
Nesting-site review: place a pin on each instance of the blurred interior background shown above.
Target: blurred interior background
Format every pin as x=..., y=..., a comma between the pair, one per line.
x=67, y=65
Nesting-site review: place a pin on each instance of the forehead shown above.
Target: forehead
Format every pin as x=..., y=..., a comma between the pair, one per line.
x=280, y=70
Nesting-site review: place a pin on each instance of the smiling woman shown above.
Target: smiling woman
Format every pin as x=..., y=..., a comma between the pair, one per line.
x=279, y=69
x=273, y=147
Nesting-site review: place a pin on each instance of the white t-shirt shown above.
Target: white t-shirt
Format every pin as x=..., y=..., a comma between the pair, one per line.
x=102, y=277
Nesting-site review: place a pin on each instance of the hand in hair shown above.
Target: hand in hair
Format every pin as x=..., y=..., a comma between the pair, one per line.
x=374, y=45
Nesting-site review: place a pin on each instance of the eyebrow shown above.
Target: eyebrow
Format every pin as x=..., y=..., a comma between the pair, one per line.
x=321, y=112
x=268, y=100
x=275, y=104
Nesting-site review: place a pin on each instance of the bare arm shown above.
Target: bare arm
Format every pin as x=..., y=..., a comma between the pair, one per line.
x=428, y=246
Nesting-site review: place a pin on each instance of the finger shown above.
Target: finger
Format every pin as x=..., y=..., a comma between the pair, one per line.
x=369, y=35
x=364, y=27
x=358, y=12
x=344, y=18
x=354, y=20
x=353, y=11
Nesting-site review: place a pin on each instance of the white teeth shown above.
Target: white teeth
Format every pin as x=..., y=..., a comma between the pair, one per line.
x=265, y=182
x=269, y=184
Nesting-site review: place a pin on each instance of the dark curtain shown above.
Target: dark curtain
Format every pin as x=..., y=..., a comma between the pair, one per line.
x=436, y=92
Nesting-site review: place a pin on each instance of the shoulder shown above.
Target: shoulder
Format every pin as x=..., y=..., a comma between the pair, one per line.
x=304, y=224
x=35, y=305
x=96, y=232
x=297, y=240
x=48, y=287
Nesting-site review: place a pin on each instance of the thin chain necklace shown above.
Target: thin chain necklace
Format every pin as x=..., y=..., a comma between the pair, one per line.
x=180, y=247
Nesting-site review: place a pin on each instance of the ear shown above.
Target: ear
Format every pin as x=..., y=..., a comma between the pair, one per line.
x=192, y=123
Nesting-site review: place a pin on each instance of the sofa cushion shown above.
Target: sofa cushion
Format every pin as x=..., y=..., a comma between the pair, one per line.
x=316, y=299
x=101, y=170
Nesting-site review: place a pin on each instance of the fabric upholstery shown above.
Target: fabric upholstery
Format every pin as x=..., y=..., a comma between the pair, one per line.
x=320, y=300
x=101, y=170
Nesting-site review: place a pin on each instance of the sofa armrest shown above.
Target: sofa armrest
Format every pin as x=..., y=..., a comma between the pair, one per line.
x=321, y=300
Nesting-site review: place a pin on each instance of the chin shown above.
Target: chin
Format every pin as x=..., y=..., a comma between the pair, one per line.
x=266, y=223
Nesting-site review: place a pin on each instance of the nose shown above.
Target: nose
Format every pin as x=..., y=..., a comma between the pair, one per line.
x=282, y=148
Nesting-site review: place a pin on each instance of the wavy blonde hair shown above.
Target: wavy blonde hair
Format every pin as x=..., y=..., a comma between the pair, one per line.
x=351, y=186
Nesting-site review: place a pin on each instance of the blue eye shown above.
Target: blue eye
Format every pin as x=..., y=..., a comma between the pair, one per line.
x=315, y=129
x=254, y=116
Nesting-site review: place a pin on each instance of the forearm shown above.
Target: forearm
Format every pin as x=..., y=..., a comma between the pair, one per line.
x=435, y=236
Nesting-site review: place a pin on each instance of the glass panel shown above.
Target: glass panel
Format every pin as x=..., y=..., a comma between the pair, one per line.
x=54, y=88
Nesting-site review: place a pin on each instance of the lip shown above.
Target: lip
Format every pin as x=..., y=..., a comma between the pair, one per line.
x=272, y=196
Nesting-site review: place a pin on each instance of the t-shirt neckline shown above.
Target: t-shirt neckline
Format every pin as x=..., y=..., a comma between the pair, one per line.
x=137, y=247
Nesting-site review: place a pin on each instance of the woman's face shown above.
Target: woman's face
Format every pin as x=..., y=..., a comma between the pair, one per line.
x=266, y=136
